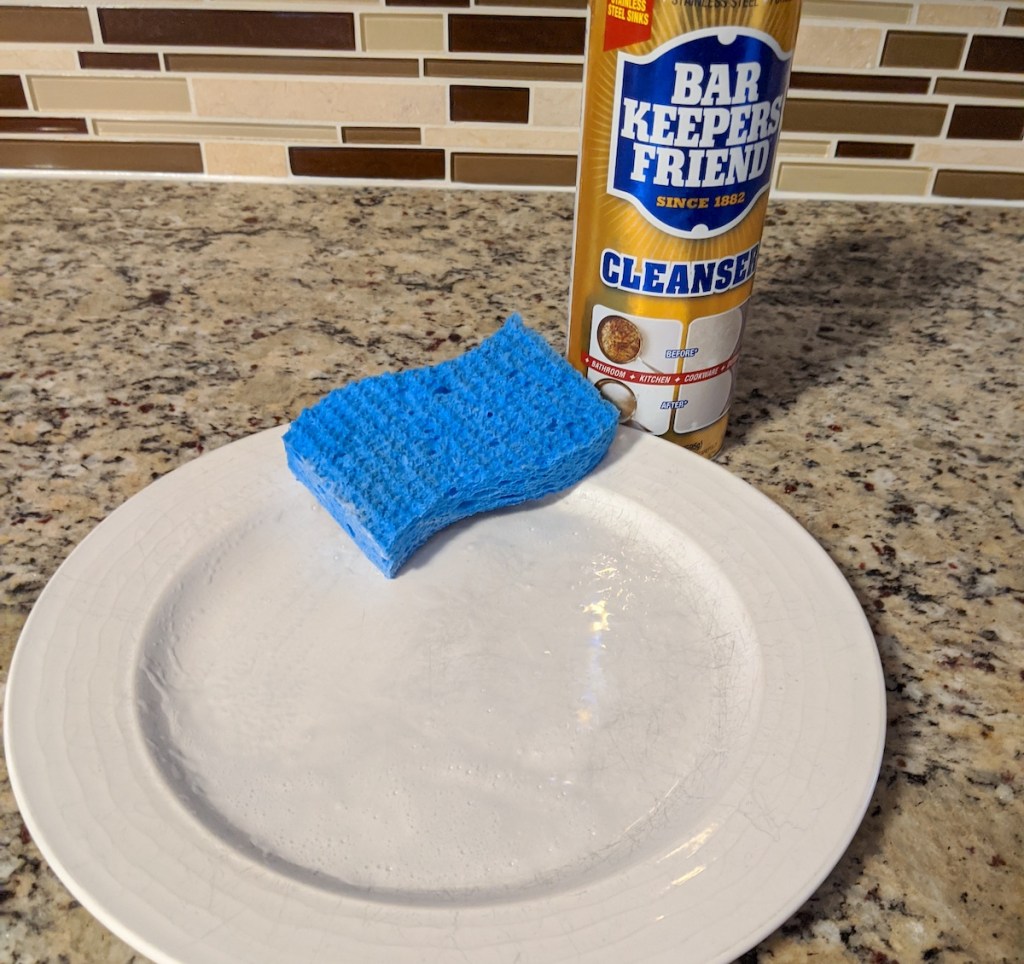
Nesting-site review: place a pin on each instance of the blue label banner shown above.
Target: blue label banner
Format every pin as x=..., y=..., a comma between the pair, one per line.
x=695, y=127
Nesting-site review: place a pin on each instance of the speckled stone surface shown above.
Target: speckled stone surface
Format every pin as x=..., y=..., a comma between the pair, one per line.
x=879, y=402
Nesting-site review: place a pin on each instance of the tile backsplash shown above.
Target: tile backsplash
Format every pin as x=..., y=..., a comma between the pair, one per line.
x=912, y=101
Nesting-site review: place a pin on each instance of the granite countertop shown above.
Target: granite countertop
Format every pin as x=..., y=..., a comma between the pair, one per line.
x=878, y=402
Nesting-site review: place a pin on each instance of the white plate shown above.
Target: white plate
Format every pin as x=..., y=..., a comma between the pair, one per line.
x=639, y=721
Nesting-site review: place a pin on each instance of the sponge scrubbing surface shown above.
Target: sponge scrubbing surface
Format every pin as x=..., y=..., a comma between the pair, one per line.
x=397, y=457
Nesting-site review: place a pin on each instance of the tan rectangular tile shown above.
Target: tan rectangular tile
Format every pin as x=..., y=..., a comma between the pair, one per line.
x=852, y=179
x=345, y=102
x=353, y=66
x=503, y=139
x=385, y=31
x=980, y=185
x=503, y=70
x=161, y=95
x=970, y=155
x=559, y=106
x=959, y=14
x=113, y=156
x=834, y=46
x=381, y=135
x=852, y=10
x=795, y=147
x=207, y=130
x=37, y=58
x=515, y=170
x=47, y=25
x=242, y=159
x=863, y=117
x=957, y=87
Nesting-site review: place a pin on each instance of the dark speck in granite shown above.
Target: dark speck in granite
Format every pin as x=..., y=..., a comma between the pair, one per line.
x=878, y=402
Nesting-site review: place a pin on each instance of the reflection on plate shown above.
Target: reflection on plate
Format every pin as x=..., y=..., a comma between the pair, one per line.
x=644, y=714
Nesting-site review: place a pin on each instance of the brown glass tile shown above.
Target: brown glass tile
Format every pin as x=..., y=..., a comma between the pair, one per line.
x=539, y=4
x=999, y=54
x=102, y=156
x=521, y=170
x=986, y=123
x=53, y=25
x=863, y=117
x=471, y=33
x=12, y=94
x=905, y=48
x=503, y=70
x=228, y=28
x=34, y=124
x=101, y=60
x=956, y=87
x=494, y=105
x=312, y=66
x=990, y=185
x=901, y=152
x=1014, y=17
x=862, y=83
x=380, y=135
x=391, y=163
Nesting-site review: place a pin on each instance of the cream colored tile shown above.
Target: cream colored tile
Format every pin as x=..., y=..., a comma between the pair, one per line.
x=243, y=159
x=971, y=155
x=144, y=95
x=960, y=14
x=854, y=179
x=492, y=138
x=853, y=10
x=797, y=147
x=402, y=32
x=832, y=46
x=343, y=101
x=557, y=106
x=37, y=58
x=206, y=130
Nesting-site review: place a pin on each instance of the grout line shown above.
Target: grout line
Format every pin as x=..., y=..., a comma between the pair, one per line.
x=94, y=25
x=191, y=96
x=325, y=182
x=29, y=91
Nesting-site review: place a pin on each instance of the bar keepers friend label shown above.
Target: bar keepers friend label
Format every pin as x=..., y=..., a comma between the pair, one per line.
x=683, y=105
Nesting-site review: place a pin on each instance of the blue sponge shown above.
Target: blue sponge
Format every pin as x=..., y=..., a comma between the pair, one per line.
x=396, y=458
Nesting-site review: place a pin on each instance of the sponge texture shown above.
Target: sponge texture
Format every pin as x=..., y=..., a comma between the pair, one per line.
x=397, y=457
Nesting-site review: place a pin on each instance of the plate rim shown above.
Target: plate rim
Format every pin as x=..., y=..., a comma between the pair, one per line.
x=723, y=478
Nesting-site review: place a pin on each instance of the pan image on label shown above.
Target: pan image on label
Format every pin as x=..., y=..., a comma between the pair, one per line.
x=633, y=361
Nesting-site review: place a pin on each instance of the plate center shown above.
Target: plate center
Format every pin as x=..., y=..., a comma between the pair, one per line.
x=543, y=696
